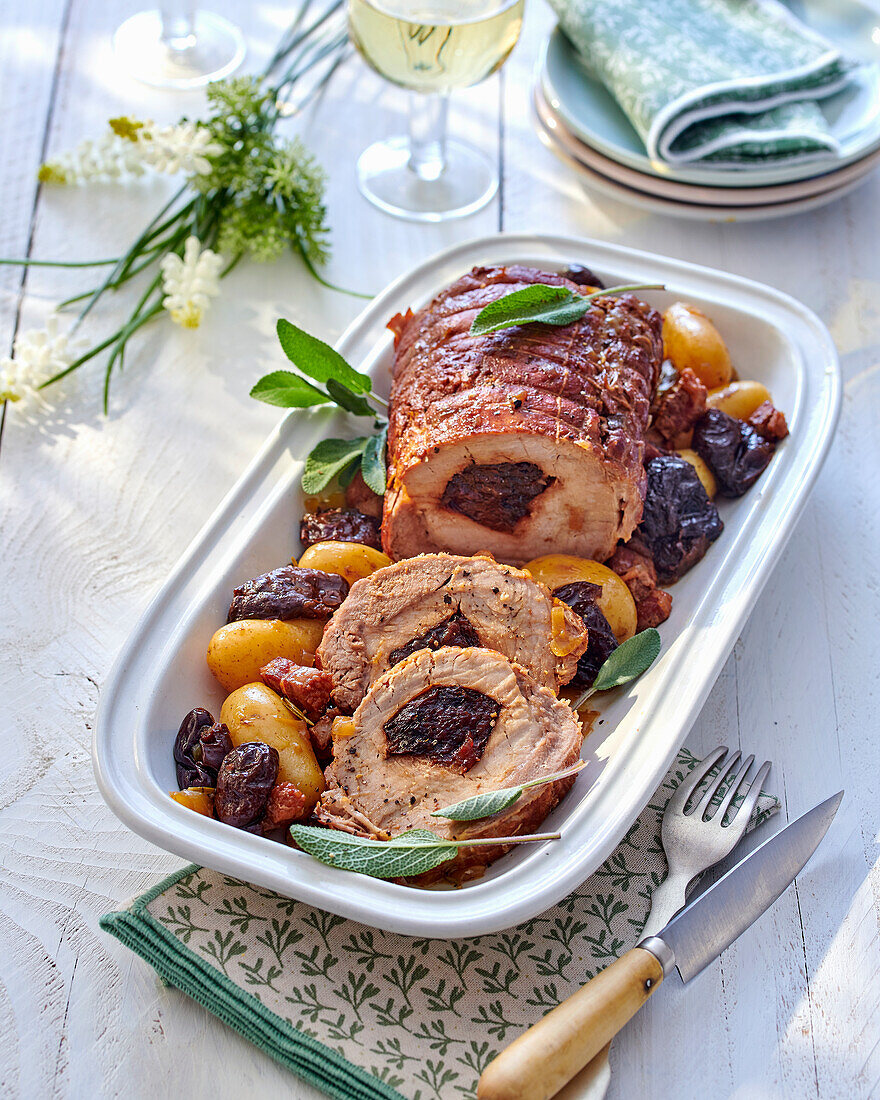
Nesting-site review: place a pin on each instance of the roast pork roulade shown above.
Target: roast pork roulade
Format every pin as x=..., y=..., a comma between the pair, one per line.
x=523, y=442
x=438, y=728
x=441, y=599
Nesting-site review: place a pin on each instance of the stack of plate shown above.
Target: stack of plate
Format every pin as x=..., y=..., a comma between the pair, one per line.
x=581, y=122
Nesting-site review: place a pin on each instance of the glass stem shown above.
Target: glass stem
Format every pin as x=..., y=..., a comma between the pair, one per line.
x=427, y=134
x=178, y=25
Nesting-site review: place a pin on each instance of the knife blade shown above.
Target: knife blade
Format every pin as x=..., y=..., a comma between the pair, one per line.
x=546, y=1056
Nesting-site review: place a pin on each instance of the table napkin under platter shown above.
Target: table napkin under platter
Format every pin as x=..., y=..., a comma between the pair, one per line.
x=726, y=82
x=365, y=1014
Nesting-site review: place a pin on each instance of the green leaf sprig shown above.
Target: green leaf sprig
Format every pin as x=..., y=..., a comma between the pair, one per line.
x=551, y=305
x=629, y=660
x=411, y=853
x=493, y=802
x=343, y=386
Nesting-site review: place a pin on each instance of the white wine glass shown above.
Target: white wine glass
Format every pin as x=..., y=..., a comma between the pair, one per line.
x=431, y=47
x=178, y=46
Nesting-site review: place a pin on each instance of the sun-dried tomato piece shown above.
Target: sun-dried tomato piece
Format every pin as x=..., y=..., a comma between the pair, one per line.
x=286, y=804
x=639, y=574
x=307, y=688
x=769, y=422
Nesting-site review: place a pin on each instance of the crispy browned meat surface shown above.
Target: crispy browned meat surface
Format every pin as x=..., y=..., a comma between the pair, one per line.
x=557, y=414
x=637, y=571
x=376, y=792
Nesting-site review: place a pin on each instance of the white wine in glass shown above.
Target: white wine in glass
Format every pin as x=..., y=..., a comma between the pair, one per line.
x=431, y=47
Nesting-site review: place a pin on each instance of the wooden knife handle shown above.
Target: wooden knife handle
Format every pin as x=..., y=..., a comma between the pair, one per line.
x=537, y=1064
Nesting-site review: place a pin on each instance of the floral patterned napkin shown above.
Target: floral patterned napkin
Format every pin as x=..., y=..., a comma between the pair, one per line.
x=366, y=1014
x=731, y=82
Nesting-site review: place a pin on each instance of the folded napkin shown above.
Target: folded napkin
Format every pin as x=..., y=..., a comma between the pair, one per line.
x=731, y=82
x=365, y=1014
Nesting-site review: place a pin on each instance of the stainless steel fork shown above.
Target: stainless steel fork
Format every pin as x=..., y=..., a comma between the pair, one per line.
x=694, y=841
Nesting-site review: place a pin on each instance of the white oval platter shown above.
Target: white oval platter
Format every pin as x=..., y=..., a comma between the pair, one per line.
x=161, y=674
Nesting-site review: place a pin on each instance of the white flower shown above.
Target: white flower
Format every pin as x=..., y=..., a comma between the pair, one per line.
x=37, y=355
x=190, y=283
x=181, y=148
x=129, y=146
x=108, y=158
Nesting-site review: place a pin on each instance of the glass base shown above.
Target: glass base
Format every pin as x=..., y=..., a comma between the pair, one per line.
x=214, y=49
x=468, y=181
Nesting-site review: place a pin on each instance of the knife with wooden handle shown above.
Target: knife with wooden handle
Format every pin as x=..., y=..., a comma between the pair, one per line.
x=545, y=1058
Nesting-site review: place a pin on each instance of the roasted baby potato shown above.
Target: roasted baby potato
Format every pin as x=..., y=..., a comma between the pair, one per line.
x=257, y=713
x=703, y=472
x=690, y=340
x=351, y=560
x=739, y=399
x=200, y=799
x=238, y=650
x=615, y=603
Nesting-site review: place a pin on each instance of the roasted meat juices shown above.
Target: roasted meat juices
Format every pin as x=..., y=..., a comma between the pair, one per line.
x=523, y=442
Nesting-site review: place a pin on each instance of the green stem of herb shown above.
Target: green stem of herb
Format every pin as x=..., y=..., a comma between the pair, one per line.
x=564, y=774
x=477, y=841
x=59, y=263
x=582, y=698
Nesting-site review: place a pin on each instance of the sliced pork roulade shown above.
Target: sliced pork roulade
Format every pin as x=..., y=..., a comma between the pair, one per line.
x=523, y=442
x=438, y=728
x=439, y=600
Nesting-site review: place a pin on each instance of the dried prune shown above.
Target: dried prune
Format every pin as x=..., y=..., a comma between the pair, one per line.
x=581, y=597
x=191, y=772
x=340, y=525
x=679, y=522
x=450, y=725
x=456, y=630
x=288, y=593
x=734, y=451
x=307, y=688
x=244, y=784
x=497, y=495
x=577, y=273
x=214, y=744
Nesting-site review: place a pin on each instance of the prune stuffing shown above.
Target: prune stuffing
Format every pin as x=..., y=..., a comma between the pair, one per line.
x=496, y=495
x=244, y=784
x=215, y=743
x=341, y=525
x=734, y=451
x=191, y=771
x=581, y=597
x=577, y=273
x=679, y=522
x=450, y=725
x=456, y=630
x=288, y=593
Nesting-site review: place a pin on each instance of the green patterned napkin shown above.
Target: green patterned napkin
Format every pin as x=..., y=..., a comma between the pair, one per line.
x=731, y=82
x=363, y=1013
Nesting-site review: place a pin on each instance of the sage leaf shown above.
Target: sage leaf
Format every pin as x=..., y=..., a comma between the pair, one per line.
x=629, y=660
x=411, y=853
x=493, y=802
x=318, y=360
x=347, y=400
x=288, y=391
x=373, y=462
x=329, y=459
x=551, y=305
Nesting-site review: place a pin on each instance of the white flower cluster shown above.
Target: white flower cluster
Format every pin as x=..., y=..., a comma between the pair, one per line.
x=37, y=355
x=189, y=283
x=131, y=147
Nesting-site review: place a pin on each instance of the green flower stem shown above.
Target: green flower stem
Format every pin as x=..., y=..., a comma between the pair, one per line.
x=59, y=263
x=313, y=271
x=119, y=351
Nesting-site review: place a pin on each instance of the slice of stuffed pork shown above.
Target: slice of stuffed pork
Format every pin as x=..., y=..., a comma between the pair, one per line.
x=440, y=727
x=525, y=441
x=439, y=600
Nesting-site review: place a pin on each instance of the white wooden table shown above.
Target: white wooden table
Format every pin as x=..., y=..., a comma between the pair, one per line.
x=95, y=511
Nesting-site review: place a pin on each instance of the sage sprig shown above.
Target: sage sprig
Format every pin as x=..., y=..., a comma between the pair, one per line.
x=551, y=305
x=628, y=661
x=345, y=387
x=493, y=802
x=411, y=853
